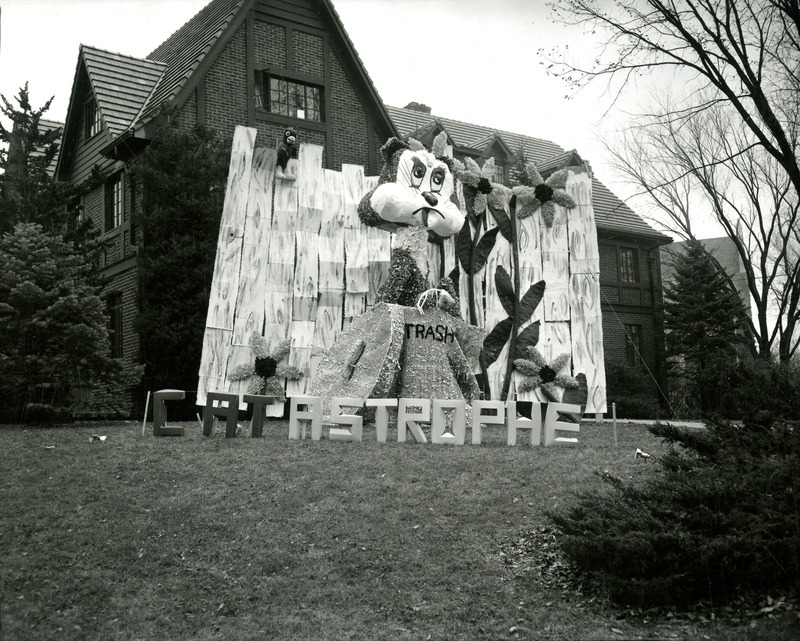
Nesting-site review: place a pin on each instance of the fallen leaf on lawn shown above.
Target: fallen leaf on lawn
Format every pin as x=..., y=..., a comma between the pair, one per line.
x=49, y=447
x=616, y=630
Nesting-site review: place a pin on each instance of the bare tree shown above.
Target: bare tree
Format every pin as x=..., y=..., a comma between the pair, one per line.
x=733, y=138
x=710, y=164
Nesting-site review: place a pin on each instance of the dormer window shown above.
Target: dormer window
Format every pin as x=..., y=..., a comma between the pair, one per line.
x=91, y=119
x=288, y=97
x=499, y=174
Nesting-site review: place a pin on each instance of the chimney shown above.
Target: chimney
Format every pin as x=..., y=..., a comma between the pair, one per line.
x=417, y=106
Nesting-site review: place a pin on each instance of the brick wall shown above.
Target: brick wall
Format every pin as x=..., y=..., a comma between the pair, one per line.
x=226, y=87
x=631, y=304
x=348, y=120
x=308, y=53
x=269, y=43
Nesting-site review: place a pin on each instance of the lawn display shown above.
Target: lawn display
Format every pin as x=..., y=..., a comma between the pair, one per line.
x=406, y=285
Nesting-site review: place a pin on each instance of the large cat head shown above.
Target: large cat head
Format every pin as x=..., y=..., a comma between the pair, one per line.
x=414, y=189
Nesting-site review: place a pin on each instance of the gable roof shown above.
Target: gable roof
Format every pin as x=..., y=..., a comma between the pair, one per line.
x=131, y=91
x=611, y=213
x=184, y=51
x=122, y=85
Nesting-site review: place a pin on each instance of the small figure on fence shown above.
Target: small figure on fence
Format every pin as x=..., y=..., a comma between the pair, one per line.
x=286, y=150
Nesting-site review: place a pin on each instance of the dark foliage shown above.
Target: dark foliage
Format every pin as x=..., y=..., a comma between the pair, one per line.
x=704, y=317
x=28, y=194
x=53, y=325
x=183, y=174
x=719, y=518
x=632, y=390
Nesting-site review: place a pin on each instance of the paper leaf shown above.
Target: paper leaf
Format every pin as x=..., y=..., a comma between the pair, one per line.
x=503, y=222
x=530, y=301
x=494, y=342
x=484, y=248
x=528, y=337
x=505, y=290
x=464, y=247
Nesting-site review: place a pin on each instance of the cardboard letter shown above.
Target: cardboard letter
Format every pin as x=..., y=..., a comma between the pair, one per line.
x=160, y=427
x=404, y=418
x=496, y=416
x=552, y=424
x=214, y=407
x=354, y=432
x=439, y=422
x=381, y=406
x=514, y=423
x=259, y=403
x=312, y=413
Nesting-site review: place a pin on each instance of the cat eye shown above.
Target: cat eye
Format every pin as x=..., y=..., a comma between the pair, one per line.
x=418, y=172
x=437, y=179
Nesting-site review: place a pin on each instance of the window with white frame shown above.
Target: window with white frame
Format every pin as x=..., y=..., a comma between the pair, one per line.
x=115, y=203
x=279, y=95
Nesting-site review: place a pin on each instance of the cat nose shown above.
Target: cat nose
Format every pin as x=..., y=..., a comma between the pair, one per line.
x=430, y=198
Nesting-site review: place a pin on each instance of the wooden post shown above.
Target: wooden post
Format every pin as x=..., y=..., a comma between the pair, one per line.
x=614, y=421
x=146, y=407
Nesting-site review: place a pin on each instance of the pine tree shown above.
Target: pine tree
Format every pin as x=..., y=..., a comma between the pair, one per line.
x=183, y=174
x=704, y=320
x=53, y=326
x=27, y=191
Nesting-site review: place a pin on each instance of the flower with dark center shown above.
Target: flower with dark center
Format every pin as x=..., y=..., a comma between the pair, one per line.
x=484, y=186
x=266, y=366
x=265, y=374
x=547, y=374
x=543, y=375
x=543, y=192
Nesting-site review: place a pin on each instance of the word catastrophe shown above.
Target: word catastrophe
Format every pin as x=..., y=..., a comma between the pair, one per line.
x=447, y=419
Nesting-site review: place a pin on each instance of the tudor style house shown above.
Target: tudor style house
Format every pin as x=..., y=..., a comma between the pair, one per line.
x=267, y=64
x=270, y=64
x=630, y=265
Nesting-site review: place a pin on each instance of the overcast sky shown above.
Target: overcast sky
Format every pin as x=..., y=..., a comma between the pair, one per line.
x=472, y=60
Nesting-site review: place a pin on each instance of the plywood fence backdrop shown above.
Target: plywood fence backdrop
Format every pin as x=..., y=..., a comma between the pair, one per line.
x=294, y=260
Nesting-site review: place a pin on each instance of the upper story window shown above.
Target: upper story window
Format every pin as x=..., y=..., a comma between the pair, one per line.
x=91, y=119
x=628, y=265
x=115, y=203
x=499, y=174
x=279, y=95
x=633, y=345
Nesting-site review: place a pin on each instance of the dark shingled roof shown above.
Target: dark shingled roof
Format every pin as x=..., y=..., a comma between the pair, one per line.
x=611, y=214
x=122, y=85
x=185, y=49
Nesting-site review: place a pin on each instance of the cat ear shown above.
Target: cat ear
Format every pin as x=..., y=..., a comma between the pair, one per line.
x=391, y=147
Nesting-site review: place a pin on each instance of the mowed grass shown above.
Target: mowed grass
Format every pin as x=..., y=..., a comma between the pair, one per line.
x=207, y=538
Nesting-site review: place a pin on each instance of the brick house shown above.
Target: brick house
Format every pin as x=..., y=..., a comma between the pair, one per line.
x=268, y=64
x=630, y=265
x=273, y=63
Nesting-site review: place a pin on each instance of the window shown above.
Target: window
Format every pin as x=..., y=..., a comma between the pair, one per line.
x=115, y=203
x=628, y=265
x=499, y=174
x=633, y=345
x=114, y=306
x=278, y=95
x=91, y=119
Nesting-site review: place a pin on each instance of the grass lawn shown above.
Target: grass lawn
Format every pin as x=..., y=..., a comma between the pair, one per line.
x=207, y=538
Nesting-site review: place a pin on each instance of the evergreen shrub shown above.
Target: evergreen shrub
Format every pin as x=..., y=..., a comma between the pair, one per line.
x=629, y=388
x=717, y=519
